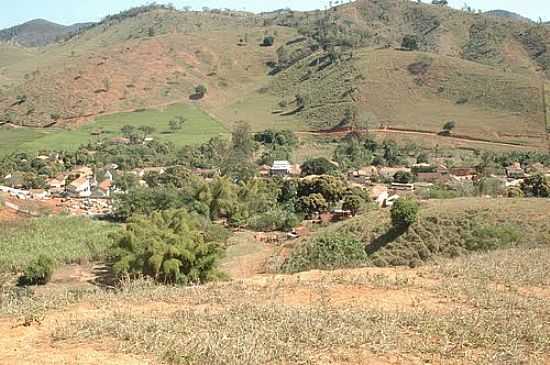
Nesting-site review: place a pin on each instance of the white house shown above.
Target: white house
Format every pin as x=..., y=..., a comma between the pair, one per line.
x=80, y=187
x=281, y=168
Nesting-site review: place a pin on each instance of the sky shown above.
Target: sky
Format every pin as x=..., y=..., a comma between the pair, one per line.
x=77, y=11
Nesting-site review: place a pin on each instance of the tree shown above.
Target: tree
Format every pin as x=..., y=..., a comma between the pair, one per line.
x=410, y=42
x=318, y=166
x=449, y=126
x=176, y=123
x=200, y=91
x=404, y=213
x=242, y=140
x=352, y=203
x=312, y=204
x=403, y=177
x=168, y=247
x=147, y=131
x=536, y=186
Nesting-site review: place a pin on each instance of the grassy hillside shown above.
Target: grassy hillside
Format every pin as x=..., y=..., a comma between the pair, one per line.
x=445, y=228
x=198, y=128
x=482, y=71
x=151, y=59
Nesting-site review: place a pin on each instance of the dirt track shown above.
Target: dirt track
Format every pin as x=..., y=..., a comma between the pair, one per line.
x=418, y=133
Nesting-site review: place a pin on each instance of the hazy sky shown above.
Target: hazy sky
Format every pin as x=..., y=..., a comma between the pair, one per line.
x=75, y=11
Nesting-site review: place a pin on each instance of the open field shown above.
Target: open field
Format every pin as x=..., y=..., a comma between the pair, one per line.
x=199, y=127
x=482, y=309
x=64, y=239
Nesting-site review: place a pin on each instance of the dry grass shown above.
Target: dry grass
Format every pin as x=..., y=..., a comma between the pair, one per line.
x=483, y=309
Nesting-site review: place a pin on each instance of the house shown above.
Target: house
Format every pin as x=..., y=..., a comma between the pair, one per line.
x=57, y=184
x=142, y=172
x=364, y=174
x=379, y=193
x=104, y=188
x=463, y=173
x=402, y=187
x=281, y=168
x=432, y=177
x=80, y=187
x=39, y=194
x=515, y=172
x=108, y=176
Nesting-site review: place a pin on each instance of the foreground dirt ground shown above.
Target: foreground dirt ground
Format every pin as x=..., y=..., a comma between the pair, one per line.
x=491, y=308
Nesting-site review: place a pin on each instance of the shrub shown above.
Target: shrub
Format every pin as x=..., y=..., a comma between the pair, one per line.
x=485, y=238
x=404, y=212
x=273, y=220
x=268, y=41
x=200, y=91
x=38, y=272
x=403, y=177
x=169, y=246
x=410, y=42
x=329, y=251
x=449, y=126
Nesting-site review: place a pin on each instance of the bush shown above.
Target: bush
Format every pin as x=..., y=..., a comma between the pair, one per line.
x=403, y=177
x=268, y=41
x=485, y=238
x=410, y=42
x=39, y=271
x=273, y=220
x=404, y=212
x=329, y=251
x=169, y=246
x=200, y=91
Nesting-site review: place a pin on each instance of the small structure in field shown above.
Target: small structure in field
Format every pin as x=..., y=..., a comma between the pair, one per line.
x=281, y=168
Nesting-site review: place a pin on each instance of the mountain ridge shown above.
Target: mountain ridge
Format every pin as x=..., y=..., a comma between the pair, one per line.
x=39, y=32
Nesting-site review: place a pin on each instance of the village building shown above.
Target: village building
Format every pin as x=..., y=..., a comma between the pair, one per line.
x=463, y=173
x=104, y=188
x=80, y=187
x=402, y=187
x=281, y=168
x=432, y=177
x=39, y=194
x=515, y=171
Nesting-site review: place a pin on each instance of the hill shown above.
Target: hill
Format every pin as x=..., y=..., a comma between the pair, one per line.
x=508, y=14
x=445, y=229
x=347, y=65
x=39, y=32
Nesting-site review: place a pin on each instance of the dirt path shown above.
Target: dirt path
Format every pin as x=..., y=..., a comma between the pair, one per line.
x=418, y=133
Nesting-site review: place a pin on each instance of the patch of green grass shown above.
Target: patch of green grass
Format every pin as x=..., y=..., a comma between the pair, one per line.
x=64, y=239
x=11, y=140
x=199, y=127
